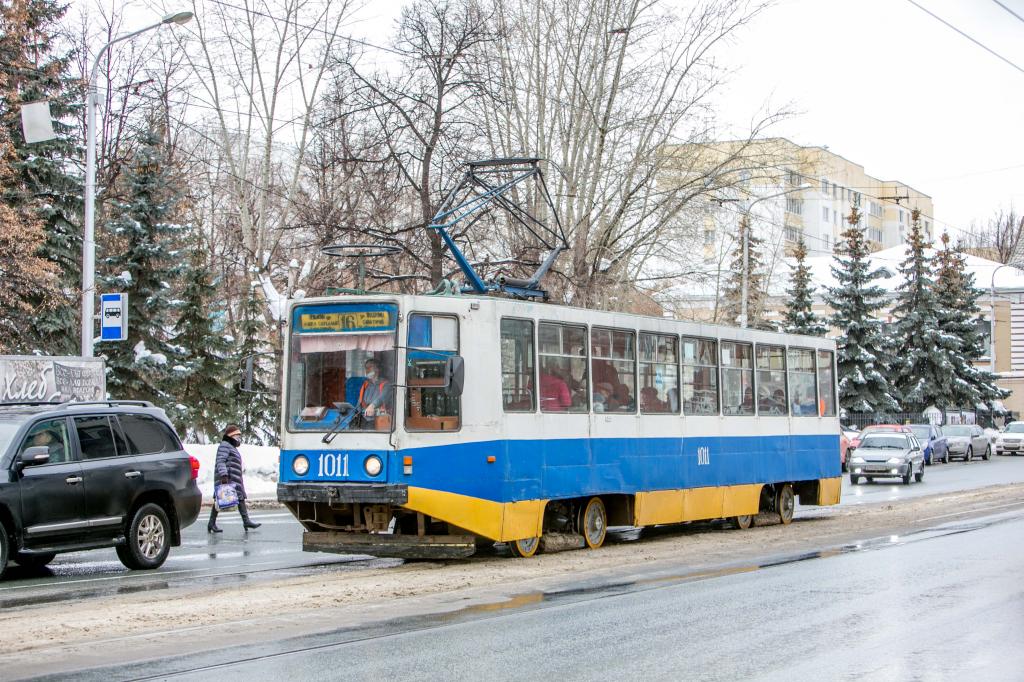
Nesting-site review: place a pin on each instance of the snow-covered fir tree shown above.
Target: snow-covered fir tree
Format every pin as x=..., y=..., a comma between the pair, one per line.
x=922, y=367
x=206, y=369
x=863, y=367
x=256, y=411
x=799, y=317
x=45, y=179
x=955, y=290
x=144, y=264
x=757, y=292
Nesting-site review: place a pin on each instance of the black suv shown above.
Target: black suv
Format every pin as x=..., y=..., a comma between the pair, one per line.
x=78, y=476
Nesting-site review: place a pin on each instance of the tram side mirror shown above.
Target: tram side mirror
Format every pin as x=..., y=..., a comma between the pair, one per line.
x=454, y=375
x=257, y=374
x=37, y=454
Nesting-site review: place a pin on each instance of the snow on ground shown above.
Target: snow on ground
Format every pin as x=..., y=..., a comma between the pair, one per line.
x=259, y=462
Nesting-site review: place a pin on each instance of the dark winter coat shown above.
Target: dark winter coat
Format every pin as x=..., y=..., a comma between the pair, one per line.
x=229, y=463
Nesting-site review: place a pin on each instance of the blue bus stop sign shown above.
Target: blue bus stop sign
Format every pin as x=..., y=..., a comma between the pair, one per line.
x=113, y=317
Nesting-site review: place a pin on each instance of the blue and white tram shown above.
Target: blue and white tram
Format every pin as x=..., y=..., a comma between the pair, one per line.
x=568, y=421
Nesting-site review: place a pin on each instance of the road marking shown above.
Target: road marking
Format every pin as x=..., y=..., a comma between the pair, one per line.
x=970, y=511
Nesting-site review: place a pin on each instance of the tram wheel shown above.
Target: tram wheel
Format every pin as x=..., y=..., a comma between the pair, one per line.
x=524, y=548
x=594, y=523
x=742, y=522
x=785, y=504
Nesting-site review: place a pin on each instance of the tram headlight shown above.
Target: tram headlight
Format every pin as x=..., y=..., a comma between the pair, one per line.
x=373, y=465
x=300, y=465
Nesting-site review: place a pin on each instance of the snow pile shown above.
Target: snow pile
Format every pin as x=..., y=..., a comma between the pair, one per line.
x=259, y=461
x=143, y=353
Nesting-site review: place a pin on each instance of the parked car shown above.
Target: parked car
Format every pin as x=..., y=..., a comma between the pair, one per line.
x=966, y=441
x=879, y=428
x=935, y=445
x=78, y=476
x=891, y=454
x=1011, y=439
x=844, y=447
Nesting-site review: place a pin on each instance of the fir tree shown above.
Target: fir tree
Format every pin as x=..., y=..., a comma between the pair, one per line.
x=257, y=409
x=732, y=305
x=144, y=266
x=799, y=317
x=203, y=378
x=923, y=368
x=863, y=366
x=44, y=180
x=954, y=288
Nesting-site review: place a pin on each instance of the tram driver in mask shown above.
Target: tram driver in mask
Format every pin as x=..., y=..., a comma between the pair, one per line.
x=374, y=396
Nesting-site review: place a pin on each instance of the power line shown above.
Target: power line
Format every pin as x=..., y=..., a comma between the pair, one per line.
x=1019, y=17
x=973, y=40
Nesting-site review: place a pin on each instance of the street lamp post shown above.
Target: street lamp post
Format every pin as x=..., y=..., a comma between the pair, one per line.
x=89, y=240
x=745, y=236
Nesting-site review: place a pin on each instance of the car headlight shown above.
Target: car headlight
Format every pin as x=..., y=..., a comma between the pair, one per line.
x=300, y=465
x=857, y=460
x=896, y=460
x=373, y=465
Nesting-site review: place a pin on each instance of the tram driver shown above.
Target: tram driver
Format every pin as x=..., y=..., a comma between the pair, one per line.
x=374, y=398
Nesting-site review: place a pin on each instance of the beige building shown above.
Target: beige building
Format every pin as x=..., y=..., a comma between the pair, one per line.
x=816, y=190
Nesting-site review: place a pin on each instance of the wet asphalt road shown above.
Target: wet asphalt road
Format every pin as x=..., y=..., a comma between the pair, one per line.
x=940, y=604
x=274, y=550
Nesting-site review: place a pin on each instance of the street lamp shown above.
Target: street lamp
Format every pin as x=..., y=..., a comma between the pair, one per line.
x=744, y=235
x=88, y=241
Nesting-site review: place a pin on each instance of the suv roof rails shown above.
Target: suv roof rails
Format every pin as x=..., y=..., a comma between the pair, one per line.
x=111, y=403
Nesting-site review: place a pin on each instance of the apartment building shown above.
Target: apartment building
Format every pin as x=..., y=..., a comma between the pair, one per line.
x=793, y=191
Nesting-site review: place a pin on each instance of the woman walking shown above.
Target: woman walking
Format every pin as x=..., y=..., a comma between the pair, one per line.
x=228, y=471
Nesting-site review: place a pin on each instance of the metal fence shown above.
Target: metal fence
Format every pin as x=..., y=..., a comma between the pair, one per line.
x=984, y=419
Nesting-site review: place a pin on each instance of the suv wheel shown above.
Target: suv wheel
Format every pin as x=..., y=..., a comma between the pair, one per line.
x=148, y=540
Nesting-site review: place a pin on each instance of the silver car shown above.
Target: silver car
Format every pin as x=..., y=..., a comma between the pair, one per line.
x=1011, y=439
x=967, y=441
x=887, y=455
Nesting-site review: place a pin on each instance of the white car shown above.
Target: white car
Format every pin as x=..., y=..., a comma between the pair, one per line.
x=1010, y=440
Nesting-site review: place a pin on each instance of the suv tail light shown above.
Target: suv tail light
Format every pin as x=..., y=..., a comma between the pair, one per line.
x=195, y=466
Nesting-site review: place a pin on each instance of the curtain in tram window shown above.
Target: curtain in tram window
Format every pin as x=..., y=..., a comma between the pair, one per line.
x=336, y=343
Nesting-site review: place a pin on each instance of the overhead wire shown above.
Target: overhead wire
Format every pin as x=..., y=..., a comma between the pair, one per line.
x=965, y=35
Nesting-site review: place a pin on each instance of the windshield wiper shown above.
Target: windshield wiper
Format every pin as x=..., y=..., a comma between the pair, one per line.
x=344, y=421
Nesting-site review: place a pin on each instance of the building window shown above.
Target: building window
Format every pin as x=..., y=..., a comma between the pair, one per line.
x=793, y=234
x=835, y=191
x=700, y=376
x=794, y=206
x=984, y=328
x=901, y=216
x=875, y=235
x=659, y=374
x=563, y=360
x=794, y=178
x=824, y=186
x=824, y=213
x=828, y=241
x=737, y=378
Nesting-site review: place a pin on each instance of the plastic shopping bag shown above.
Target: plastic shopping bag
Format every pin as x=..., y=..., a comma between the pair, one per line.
x=225, y=496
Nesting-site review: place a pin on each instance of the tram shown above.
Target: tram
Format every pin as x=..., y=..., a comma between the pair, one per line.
x=426, y=425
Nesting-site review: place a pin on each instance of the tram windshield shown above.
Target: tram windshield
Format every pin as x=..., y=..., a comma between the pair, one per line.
x=341, y=367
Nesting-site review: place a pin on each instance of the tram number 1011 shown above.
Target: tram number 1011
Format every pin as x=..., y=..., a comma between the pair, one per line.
x=332, y=464
x=703, y=455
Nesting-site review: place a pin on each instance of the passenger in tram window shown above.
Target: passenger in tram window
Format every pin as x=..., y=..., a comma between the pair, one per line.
x=375, y=397
x=748, y=401
x=650, y=402
x=622, y=399
x=602, y=397
x=554, y=392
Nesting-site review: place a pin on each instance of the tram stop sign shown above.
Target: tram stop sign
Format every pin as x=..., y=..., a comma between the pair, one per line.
x=113, y=317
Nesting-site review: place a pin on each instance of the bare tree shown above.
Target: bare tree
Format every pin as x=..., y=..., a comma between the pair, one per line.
x=998, y=239
x=616, y=94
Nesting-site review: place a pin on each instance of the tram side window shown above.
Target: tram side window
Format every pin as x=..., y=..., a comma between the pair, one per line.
x=659, y=374
x=517, y=366
x=801, y=382
x=563, y=367
x=737, y=378
x=826, y=384
x=428, y=407
x=613, y=367
x=771, y=380
x=700, y=376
